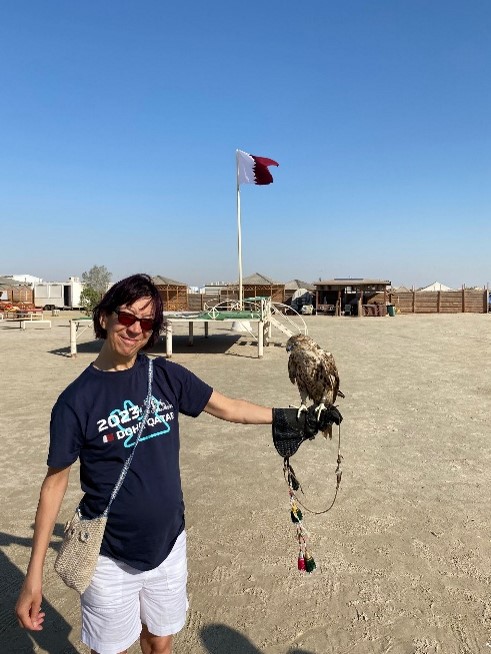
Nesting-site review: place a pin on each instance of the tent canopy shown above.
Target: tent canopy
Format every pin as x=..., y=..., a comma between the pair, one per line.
x=436, y=286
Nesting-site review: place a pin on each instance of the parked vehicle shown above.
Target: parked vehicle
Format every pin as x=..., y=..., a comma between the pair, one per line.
x=58, y=295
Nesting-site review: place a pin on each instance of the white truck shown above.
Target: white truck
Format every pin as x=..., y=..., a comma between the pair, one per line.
x=58, y=295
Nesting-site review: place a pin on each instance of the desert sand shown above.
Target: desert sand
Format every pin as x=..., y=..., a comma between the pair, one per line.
x=403, y=558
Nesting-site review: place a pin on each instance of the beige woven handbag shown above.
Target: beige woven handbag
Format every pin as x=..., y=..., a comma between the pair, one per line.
x=77, y=559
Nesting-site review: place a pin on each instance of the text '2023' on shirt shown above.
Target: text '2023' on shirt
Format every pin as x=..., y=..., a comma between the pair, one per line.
x=96, y=419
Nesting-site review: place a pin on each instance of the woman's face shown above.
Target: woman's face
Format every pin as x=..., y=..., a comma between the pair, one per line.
x=126, y=341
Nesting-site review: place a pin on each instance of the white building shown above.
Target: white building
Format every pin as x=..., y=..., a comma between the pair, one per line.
x=25, y=279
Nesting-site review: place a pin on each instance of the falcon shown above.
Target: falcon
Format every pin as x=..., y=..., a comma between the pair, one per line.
x=314, y=372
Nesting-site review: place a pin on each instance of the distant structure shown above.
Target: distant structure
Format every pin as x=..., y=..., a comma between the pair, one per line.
x=352, y=296
x=14, y=292
x=299, y=293
x=174, y=294
x=24, y=279
x=58, y=295
x=213, y=288
x=257, y=284
x=436, y=286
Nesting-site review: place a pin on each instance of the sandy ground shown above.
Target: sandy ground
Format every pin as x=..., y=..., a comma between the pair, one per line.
x=403, y=558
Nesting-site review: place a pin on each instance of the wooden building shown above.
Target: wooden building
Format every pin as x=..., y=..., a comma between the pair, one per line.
x=257, y=285
x=15, y=293
x=174, y=294
x=352, y=296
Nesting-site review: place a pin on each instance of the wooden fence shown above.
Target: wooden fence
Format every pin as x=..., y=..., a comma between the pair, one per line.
x=466, y=300
x=198, y=301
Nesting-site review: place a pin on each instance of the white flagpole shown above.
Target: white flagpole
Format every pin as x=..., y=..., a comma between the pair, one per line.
x=239, y=236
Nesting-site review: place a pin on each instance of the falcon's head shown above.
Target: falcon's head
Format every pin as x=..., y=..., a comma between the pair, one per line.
x=299, y=340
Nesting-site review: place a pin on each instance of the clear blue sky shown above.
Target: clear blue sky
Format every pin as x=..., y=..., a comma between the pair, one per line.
x=120, y=121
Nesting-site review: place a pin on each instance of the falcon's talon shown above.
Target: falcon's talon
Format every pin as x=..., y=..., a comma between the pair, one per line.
x=319, y=409
x=301, y=409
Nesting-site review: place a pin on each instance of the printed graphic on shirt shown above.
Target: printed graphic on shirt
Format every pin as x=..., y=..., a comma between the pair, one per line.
x=124, y=423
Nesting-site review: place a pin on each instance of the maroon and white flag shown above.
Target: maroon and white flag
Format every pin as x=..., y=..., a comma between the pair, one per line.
x=253, y=170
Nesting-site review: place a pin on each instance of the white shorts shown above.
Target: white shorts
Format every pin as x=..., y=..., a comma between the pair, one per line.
x=120, y=599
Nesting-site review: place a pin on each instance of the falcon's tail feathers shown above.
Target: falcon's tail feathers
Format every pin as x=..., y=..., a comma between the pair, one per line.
x=327, y=433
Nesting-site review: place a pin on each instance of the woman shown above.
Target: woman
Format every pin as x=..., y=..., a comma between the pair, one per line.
x=139, y=586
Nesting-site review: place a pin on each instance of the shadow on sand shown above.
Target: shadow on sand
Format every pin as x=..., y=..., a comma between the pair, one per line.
x=220, y=639
x=213, y=344
x=54, y=638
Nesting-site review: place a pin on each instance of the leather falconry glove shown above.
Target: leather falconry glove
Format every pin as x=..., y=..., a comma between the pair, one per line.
x=291, y=430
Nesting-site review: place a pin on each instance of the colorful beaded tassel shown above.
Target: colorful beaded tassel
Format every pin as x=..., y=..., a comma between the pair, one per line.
x=309, y=563
x=305, y=561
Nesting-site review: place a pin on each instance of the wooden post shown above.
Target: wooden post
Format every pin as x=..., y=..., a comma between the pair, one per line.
x=73, y=339
x=463, y=298
x=360, y=305
x=191, y=332
x=168, y=339
x=414, y=300
x=260, y=338
x=438, y=301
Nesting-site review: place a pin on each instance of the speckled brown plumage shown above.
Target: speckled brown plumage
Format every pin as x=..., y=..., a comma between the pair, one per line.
x=313, y=370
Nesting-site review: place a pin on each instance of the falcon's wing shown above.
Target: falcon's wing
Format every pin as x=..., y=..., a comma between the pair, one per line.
x=304, y=366
x=330, y=374
x=292, y=368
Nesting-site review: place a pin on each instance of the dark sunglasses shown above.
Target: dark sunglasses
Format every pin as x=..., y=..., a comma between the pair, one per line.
x=128, y=319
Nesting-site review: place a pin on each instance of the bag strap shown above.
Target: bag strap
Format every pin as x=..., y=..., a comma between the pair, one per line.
x=147, y=405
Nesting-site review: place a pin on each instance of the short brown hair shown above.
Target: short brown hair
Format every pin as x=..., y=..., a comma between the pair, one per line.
x=129, y=290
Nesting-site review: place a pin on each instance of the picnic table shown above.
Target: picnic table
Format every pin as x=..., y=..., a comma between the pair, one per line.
x=25, y=318
x=206, y=318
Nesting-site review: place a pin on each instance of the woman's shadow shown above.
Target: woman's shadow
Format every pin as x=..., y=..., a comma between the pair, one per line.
x=54, y=638
x=220, y=639
x=13, y=639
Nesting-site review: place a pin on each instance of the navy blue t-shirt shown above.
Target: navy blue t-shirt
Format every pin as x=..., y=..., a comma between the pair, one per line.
x=96, y=419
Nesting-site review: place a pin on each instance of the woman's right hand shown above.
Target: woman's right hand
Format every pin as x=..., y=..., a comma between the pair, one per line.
x=28, y=607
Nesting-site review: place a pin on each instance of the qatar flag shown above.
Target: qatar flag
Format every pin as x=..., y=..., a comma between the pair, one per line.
x=253, y=170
